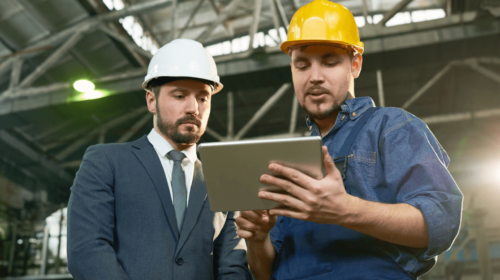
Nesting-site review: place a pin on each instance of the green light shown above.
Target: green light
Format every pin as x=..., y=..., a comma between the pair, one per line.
x=84, y=86
x=92, y=94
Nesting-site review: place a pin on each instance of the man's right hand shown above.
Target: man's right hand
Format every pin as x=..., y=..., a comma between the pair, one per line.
x=254, y=226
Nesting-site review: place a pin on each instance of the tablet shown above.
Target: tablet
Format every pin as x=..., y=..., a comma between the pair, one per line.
x=232, y=170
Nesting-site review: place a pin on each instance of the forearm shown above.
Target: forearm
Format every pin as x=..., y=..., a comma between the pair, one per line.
x=400, y=224
x=261, y=257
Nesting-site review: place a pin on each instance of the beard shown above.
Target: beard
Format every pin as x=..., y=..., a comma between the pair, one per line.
x=319, y=114
x=171, y=129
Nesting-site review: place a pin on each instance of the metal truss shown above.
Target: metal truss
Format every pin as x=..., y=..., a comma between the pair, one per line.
x=74, y=33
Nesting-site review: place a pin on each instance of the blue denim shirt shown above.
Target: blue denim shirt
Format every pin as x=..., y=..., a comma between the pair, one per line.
x=395, y=159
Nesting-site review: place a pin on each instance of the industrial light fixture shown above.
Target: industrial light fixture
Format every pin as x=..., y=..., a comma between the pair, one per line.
x=84, y=86
x=88, y=89
x=92, y=94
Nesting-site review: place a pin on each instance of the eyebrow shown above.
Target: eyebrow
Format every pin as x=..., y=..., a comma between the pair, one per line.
x=185, y=90
x=204, y=91
x=331, y=54
x=181, y=89
x=301, y=58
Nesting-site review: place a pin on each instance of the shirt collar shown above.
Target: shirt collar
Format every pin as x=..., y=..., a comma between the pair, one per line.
x=163, y=147
x=353, y=108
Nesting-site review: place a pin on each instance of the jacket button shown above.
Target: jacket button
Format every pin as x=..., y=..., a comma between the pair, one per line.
x=179, y=261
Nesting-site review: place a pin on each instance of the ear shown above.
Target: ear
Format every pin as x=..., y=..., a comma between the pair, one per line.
x=357, y=62
x=151, y=101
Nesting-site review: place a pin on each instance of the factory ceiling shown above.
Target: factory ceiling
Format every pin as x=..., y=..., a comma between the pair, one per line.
x=445, y=71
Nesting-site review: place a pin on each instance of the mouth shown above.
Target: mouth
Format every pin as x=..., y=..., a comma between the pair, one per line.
x=316, y=94
x=191, y=123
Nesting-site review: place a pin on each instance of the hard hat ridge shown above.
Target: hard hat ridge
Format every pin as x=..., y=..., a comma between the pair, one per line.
x=183, y=58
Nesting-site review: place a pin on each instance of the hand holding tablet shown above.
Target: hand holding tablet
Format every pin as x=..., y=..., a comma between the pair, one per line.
x=233, y=169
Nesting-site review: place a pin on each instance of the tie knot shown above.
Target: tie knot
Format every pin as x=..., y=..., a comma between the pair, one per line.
x=176, y=156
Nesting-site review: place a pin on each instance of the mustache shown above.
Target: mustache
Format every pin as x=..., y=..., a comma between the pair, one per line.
x=188, y=119
x=317, y=89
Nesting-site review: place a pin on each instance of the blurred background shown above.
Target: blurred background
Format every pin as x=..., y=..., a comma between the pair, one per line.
x=438, y=59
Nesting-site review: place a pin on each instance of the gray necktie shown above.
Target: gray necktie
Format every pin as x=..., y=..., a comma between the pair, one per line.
x=178, y=186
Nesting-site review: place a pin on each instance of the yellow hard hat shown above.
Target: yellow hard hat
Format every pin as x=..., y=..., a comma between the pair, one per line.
x=323, y=22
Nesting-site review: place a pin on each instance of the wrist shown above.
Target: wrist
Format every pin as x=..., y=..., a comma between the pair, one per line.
x=352, y=211
x=259, y=242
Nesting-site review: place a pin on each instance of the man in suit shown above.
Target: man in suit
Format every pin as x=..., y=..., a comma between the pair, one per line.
x=140, y=210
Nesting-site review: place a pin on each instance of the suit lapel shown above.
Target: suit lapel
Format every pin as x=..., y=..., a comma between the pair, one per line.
x=197, y=197
x=149, y=159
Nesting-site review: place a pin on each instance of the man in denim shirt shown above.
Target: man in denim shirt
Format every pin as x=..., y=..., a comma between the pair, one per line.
x=398, y=207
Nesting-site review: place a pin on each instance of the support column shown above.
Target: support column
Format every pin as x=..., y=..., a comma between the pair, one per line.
x=380, y=86
x=45, y=245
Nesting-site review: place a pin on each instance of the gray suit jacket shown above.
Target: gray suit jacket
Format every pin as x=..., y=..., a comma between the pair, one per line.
x=122, y=225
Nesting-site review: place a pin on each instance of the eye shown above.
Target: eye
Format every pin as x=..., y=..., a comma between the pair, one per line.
x=204, y=99
x=301, y=66
x=179, y=96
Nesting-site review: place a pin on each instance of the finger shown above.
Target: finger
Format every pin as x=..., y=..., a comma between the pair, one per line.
x=245, y=234
x=286, y=200
x=286, y=185
x=328, y=163
x=257, y=216
x=247, y=225
x=290, y=213
x=291, y=174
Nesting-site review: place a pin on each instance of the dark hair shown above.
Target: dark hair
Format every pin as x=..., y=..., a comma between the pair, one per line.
x=155, y=84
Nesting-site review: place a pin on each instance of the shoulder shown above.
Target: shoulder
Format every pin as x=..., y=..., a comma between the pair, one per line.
x=393, y=119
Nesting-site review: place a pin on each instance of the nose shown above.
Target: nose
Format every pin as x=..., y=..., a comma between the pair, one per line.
x=316, y=77
x=192, y=106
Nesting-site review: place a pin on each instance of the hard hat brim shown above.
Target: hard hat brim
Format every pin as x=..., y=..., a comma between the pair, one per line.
x=285, y=46
x=217, y=85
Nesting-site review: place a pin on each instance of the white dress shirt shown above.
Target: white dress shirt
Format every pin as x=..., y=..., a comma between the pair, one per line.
x=162, y=147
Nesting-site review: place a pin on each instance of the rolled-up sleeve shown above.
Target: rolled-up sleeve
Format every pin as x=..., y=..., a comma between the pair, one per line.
x=415, y=167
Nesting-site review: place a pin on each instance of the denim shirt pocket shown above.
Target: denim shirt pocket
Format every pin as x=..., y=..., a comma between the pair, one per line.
x=361, y=168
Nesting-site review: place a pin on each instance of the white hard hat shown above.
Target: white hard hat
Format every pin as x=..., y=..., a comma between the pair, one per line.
x=183, y=58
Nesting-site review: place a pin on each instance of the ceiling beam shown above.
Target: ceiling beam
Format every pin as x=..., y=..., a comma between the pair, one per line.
x=132, y=47
x=391, y=13
x=262, y=110
x=229, y=32
x=135, y=127
x=480, y=114
x=276, y=20
x=51, y=60
x=428, y=85
x=35, y=156
x=225, y=13
x=214, y=134
x=191, y=16
x=61, y=156
x=484, y=71
x=173, y=21
x=255, y=23
x=15, y=73
x=86, y=25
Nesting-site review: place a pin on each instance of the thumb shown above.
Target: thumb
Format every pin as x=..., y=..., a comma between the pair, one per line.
x=328, y=163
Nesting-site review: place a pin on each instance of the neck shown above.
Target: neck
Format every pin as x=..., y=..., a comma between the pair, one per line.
x=326, y=124
x=176, y=146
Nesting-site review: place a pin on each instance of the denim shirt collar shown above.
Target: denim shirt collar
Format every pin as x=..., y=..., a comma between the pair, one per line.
x=351, y=110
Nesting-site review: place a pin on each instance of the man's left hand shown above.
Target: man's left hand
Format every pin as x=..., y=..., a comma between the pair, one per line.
x=322, y=201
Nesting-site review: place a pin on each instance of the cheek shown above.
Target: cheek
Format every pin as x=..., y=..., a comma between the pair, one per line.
x=299, y=84
x=205, y=114
x=338, y=78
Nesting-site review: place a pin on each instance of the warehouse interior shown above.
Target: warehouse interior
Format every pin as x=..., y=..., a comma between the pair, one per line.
x=437, y=59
